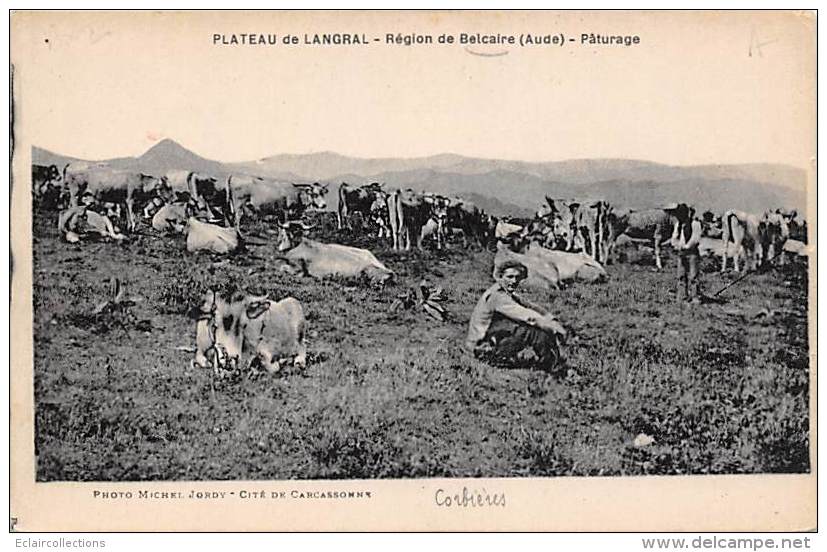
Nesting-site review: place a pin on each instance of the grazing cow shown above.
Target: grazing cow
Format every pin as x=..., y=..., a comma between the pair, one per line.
x=318, y=259
x=356, y=200
x=650, y=225
x=273, y=331
x=202, y=236
x=742, y=229
x=46, y=186
x=266, y=196
x=172, y=217
x=79, y=222
x=118, y=187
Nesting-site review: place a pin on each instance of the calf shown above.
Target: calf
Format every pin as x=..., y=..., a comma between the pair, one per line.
x=272, y=331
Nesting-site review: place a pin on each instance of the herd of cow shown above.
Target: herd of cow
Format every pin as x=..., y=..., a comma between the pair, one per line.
x=565, y=240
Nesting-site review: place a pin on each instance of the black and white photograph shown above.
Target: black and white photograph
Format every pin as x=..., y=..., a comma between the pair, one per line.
x=327, y=247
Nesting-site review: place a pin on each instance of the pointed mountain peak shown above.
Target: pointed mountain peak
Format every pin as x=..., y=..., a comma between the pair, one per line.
x=167, y=146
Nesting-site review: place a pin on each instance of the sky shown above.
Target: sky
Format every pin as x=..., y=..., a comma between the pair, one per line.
x=725, y=87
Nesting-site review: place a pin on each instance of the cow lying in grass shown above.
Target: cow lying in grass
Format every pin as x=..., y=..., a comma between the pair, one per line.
x=271, y=331
x=548, y=268
x=328, y=259
x=203, y=236
x=81, y=222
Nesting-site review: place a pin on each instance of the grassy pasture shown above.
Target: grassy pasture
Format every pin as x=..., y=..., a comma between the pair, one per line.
x=722, y=388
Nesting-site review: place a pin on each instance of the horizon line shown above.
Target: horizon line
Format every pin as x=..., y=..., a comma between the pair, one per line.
x=402, y=158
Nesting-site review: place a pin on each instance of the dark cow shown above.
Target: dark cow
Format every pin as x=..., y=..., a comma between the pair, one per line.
x=797, y=225
x=116, y=187
x=590, y=228
x=712, y=227
x=774, y=231
x=46, y=186
x=473, y=223
x=409, y=213
x=360, y=200
x=266, y=196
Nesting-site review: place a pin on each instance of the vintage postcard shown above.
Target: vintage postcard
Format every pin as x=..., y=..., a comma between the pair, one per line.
x=414, y=271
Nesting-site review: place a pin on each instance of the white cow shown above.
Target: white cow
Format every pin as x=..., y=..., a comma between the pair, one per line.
x=272, y=330
x=327, y=259
x=172, y=217
x=542, y=274
x=202, y=236
x=75, y=223
x=506, y=229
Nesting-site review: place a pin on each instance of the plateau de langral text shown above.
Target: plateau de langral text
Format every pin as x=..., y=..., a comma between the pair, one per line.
x=409, y=39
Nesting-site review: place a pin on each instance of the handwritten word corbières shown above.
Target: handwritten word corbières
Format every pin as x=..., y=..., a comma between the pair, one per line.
x=468, y=498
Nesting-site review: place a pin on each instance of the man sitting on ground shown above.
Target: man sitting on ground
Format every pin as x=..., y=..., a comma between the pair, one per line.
x=507, y=331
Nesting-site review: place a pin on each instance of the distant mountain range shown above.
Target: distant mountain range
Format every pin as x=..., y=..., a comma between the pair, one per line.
x=502, y=186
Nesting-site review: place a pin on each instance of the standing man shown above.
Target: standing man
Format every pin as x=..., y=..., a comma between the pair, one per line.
x=685, y=239
x=506, y=331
